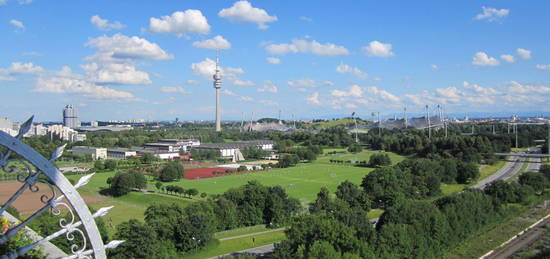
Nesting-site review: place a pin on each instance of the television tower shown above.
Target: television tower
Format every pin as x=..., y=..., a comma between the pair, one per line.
x=218, y=84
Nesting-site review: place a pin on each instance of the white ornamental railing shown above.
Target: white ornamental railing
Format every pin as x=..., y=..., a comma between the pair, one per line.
x=77, y=221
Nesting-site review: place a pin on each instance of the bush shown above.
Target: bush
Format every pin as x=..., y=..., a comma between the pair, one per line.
x=355, y=148
x=380, y=159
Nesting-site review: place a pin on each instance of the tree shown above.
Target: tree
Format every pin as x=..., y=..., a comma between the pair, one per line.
x=466, y=172
x=288, y=160
x=99, y=165
x=355, y=148
x=139, y=180
x=323, y=250
x=379, y=159
x=535, y=180
x=110, y=164
x=121, y=184
x=545, y=169
x=322, y=202
x=148, y=158
x=192, y=192
x=158, y=185
x=172, y=171
x=350, y=193
x=203, y=195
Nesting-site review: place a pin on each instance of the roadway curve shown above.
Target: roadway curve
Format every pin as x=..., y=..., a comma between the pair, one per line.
x=512, y=167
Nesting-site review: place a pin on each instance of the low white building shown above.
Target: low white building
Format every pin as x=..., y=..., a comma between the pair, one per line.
x=96, y=152
x=228, y=150
x=120, y=153
x=173, y=145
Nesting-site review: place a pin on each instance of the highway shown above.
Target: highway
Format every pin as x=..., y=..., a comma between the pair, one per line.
x=512, y=167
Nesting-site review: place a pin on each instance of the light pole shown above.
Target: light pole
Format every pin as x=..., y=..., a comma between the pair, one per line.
x=355, y=120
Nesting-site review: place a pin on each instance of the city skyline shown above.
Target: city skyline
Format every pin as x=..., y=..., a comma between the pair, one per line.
x=157, y=61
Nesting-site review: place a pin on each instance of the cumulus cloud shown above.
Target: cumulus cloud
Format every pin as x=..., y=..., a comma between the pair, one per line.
x=543, y=66
x=243, y=11
x=174, y=89
x=482, y=59
x=309, y=47
x=273, y=60
x=524, y=53
x=383, y=94
x=268, y=86
x=192, y=82
x=378, y=49
x=120, y=46
x=435, y=67
x=302, y=84
x=18, y=68
x=305, y=18
x=180, y=23
x=346, y=69
x=18, y=24
x=451, y=93
x=246, y=98
x=516, y=87
x=207, y=68
x=217, y=42
x=313, y=99
x=480, y=90
x=492, y=14
x=508, y=58
x=104, y=25
x=67, y=83
x=353, y=91
x=328, y=83
x=113, y=73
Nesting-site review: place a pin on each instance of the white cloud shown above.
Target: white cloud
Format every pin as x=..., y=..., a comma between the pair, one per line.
x=24, y=1
x=66, y=82
x=243, y=11
x=7, y=78
x=346, y=69
x=3, y=2
x=228, y=92
x=268, y=86
x=217, y=42
x=305, y=18
x=353, y=91
x=516, y=87
x=122, y=47
x=104, y=25
x=543, y=67
x=492, y=14
x=482, y=59
x=385, y=95
x=451, y=93
x=174, y=89
x=351, y=106
x=313, y=99
x=508, y=58
x=180, y=23
x=18, y=24
x=207, y=68
x=192, y=82
x=113, y=73
x=310, y=47
x=328, y=83
x=246, y=99
x=523, y=53
x=18, y=68
x=273, y=60
x=435, y=67
x=480, y=90
x=302, y=84
x=378, y=49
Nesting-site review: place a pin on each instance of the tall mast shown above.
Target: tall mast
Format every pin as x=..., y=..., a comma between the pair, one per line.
x=217, y=85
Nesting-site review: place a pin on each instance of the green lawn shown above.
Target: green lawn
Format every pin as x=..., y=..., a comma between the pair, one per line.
x=233, y=245
x=130, y=206
x=240, y=231
x=486, y=170
x=302, y=181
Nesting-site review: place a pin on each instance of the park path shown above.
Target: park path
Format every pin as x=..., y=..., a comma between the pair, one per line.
x=260, y=250
x=252, y=234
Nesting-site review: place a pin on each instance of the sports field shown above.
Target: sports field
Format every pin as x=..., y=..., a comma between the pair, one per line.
x=302, y=181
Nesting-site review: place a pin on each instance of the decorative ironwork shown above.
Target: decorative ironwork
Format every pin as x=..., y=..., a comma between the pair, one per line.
x=77, y=221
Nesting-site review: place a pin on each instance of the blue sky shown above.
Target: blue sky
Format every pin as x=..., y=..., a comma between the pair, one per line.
x=154, y=59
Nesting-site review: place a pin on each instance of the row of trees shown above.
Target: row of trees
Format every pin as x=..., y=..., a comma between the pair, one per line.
x=169, y=231
x=109, y=164
x=179, y=190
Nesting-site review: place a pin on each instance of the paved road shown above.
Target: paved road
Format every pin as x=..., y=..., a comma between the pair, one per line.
x=522, y=241
x=534, y=165
x=261, y=250
x=252, y=234
x=512, y=167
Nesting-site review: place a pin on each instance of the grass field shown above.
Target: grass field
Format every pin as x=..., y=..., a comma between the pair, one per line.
x=487, y=170
x=302, y=181
x=238, y=244
x=129, y=206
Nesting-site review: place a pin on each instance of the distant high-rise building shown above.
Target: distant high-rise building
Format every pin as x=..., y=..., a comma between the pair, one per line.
x=70, y=117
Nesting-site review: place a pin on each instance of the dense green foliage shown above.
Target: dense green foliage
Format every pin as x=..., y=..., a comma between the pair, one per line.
x=207, y=154
x=355, y=148
x=171, y=172
x=124, y=182
x=254, y=153
x=380, y=159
